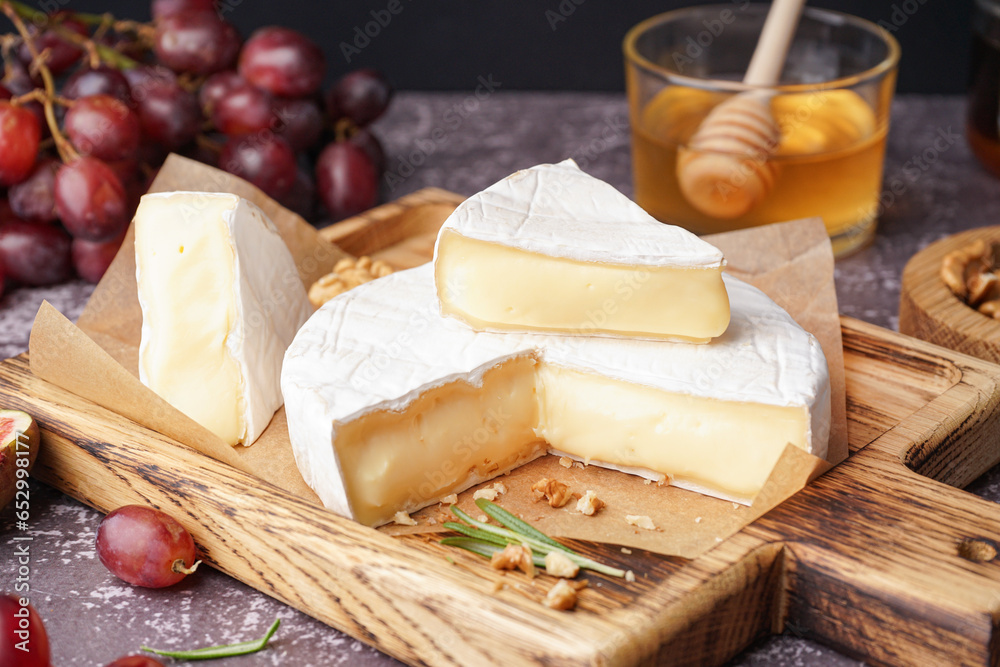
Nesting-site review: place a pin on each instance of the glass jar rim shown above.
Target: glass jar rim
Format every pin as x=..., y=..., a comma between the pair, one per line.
x=823, y=15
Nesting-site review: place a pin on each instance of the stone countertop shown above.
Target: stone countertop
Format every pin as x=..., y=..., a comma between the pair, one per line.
x=463, y=143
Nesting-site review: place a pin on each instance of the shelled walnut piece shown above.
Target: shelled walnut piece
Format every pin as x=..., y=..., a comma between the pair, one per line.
x=347, y=274
x=971, y=274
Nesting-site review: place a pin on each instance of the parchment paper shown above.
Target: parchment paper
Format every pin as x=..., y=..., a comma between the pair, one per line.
x=792, y=262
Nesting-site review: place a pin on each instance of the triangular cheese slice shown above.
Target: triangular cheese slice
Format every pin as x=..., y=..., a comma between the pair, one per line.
x=392, y=407
x=553, y=249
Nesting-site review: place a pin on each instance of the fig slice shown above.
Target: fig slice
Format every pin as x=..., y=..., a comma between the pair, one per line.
x=19, y=438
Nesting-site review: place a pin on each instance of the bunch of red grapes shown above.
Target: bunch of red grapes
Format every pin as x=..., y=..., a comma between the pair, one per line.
x=91, y=106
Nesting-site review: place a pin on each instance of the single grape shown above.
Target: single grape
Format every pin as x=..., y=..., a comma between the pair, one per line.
x=163, y=8
x=145, y=547
x=14, y=627
x=61, y=52
x=90, y=200
x=20, y=135
x=168, y=114
x=17, y=80
x=100, y=80
x=299, y=121
x=268, y=162
x=282, y=61
x=34, y=198
x=301, y=197
x=91, y=259
x=136, y=661
x=35, y=254
x=245, y=109
x=197, y=42
x=366, y=140
x=102, y=126
x=362, y=96
x=217, y=87
x=346, y=179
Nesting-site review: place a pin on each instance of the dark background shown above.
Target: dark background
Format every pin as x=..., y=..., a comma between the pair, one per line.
x=439, y=45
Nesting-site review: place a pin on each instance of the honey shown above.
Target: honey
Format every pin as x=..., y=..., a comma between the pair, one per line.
x=828, y=162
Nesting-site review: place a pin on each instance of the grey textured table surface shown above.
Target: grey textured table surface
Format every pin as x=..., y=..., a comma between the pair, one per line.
x=93, y=618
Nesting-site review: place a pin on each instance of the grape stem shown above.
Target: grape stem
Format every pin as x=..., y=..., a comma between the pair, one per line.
x=179, y=567
x=65, y=149
x=103, y=52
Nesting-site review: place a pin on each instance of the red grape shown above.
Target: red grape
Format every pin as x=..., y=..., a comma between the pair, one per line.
x=197, y=42
x=91, y=259
x=61, y=52
x=366, y=140
x=91, y=200
x=168, y=114
x=217, y=87
x=145, y=547
x=362, y=96
x=299, y=121
x=301, y=197
x=101, y=80
x=267, y=161
x=22, y=624
x=244, y=109
x=163, y=8
x=136, y=661
x=33, y=198
x=346, y=179
x=282, y=61
x=34, y=254
x=20, y=134
x=102, y=126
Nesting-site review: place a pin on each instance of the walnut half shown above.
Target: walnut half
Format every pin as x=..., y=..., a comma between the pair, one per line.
x=552, y=490
x=347, y=274
x=971, y=274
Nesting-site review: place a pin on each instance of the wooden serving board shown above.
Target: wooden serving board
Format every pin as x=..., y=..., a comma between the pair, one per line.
x=879, y=558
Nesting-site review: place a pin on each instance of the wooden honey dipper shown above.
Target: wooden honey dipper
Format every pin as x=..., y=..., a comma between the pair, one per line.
x=725, y=170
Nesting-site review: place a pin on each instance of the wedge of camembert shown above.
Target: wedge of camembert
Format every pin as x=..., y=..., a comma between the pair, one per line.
x=221, y=301
x=392, y=407
x=553, y=249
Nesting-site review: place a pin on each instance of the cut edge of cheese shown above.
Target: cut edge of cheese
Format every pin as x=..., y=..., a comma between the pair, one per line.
x=394, y=331
x=553, y=249
x=495, y=287
x=221, y=300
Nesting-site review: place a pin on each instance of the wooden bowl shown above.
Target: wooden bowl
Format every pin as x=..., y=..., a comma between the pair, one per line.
x=930, y=311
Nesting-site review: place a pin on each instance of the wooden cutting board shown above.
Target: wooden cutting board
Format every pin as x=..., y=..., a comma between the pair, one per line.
x=880, y=558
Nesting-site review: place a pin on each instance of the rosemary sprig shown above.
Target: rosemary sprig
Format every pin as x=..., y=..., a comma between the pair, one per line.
x=225, y=651
x=484, y=548
x=491, y=538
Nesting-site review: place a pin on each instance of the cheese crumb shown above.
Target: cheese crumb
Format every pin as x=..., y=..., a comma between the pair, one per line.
x=697, y=519
x=559, y=565
x=589, y=504
x=626, y=551
x=736, y=506
x=488, y=494
x=482, y=518
x=403, y=519
x=629, y=576
x=450, y=500
x=562, y=596
x=500, y=487
x=640, y=521
x=647, y=481
x=565, y=462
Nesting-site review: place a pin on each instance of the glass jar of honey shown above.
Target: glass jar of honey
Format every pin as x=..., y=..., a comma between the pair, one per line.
x=983, y=120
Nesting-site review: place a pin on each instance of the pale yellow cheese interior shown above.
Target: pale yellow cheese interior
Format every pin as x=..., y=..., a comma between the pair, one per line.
x=186, y=285
x=459, y=434
x=493, y=286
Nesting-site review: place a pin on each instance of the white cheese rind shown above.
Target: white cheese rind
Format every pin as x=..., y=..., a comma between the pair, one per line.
x=383, y=344
x=559, y=210
x=270, y=301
